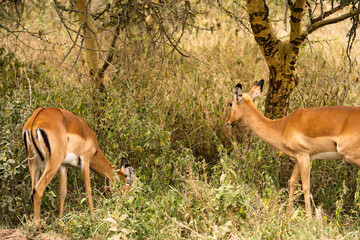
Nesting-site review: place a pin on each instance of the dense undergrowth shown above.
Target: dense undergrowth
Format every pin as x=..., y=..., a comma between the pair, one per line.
x=194, y=178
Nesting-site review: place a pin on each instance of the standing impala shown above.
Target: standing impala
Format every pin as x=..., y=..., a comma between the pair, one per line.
x=305, y=134
x=54, y=139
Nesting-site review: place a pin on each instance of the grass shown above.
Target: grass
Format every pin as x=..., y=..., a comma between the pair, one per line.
x=194, y=179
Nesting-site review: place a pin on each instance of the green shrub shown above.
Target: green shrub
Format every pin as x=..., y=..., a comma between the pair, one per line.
x=195, y=179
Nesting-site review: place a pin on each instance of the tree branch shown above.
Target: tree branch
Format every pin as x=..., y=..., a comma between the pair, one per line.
x=232, y=15
x=262, y=29
x=309, y=10
x=111, y=53
x=313, y=27
x=328, y=13
x=295, y=20
x=322, y=10
x=74, y=43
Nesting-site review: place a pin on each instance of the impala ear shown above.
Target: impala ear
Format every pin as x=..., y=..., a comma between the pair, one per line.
x=124, y=162
x=257, y=89
x=238, y=92
x=128, y=171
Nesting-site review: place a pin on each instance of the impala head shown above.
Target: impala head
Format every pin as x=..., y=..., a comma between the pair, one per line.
x=236, y=105
x=128, y=172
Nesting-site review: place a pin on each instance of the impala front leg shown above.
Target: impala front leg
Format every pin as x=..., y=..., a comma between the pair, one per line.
x=295, y=176
x=63, y=188
x=304, y=166
x=85, y=165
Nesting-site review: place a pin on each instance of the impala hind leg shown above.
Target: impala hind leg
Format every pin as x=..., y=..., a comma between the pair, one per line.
x=50, y=170
x=294, y=179
x=34, y=174
x=33, y=166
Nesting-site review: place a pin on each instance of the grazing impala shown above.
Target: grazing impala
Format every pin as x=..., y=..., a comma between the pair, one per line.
x=305, y=134
x=54, y=139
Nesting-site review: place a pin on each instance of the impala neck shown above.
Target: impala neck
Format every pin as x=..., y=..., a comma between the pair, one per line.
x=266, y=129
x=104, y=167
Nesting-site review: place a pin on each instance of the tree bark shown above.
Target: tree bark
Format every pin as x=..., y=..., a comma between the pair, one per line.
x=91, y=43
x=282, y=81
x=281, y=56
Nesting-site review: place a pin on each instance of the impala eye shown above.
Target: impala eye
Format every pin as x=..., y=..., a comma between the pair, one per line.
x=230, y=104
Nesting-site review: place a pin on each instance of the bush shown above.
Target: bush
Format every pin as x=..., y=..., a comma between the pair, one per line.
x=195, y=179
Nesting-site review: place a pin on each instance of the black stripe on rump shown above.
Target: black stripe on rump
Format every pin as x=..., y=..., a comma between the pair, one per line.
x=25, y=142
x=46, y=140
x=36, y=147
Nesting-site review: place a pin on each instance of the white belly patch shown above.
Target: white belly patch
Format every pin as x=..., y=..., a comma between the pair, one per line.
x=327, y=155
x=72, y=160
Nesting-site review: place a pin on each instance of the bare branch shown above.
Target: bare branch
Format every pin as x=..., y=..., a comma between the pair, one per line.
x=111, y=53
x=330, y=12
x=11, y=21
x=30, y=93
x=321, y=10
x=175, y=45
x=67, y=28
x=310, y=11
x=319, y=24
x=74, y=44
x=77, y=58
x=14, y=33
x=232, y=15
x=57, y=4
x=351, y=35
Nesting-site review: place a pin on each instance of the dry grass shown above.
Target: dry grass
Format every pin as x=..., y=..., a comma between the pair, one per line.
x=168, y=115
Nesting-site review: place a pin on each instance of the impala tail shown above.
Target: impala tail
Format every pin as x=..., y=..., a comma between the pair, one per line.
x=37, y=141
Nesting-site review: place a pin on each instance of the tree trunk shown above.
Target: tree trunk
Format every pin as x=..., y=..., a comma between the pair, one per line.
x=281, y=56
x=91, y=43
x=282, y=81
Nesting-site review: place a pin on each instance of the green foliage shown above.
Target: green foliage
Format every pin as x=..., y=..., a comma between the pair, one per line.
x=194, y=179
